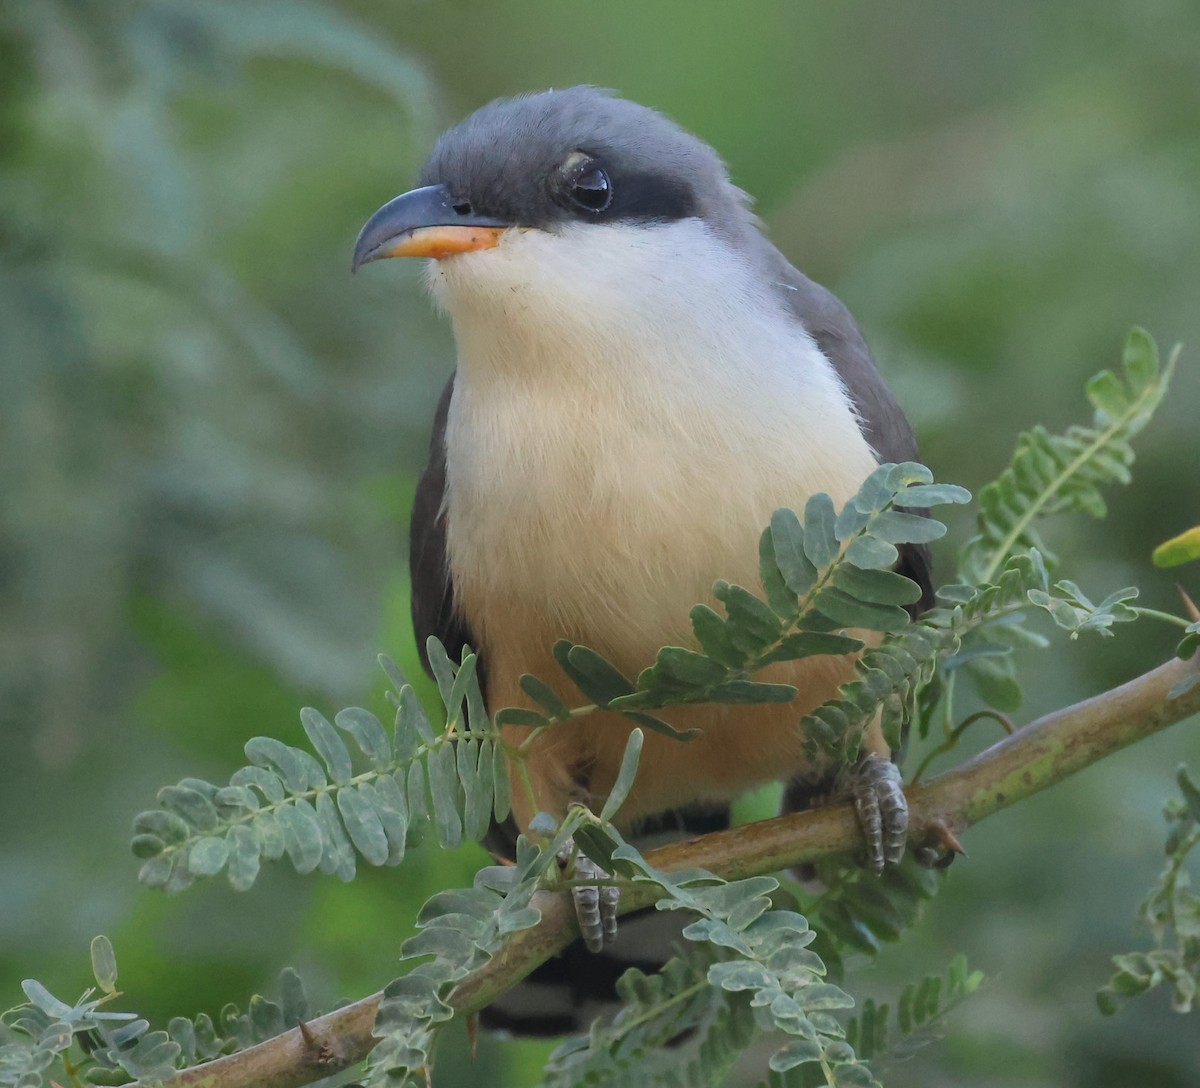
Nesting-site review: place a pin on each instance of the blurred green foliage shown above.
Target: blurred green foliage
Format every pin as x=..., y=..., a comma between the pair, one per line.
x=209, y=432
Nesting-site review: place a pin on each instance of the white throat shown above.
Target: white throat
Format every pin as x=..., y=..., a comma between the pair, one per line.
x=632, y=402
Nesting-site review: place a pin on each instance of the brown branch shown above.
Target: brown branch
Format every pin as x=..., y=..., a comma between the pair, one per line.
x=1037, y=756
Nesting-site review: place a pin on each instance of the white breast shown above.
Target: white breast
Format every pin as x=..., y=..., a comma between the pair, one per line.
x=631, y=405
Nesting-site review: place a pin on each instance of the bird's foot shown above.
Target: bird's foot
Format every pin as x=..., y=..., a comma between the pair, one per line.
x=596, y=905
x=882, y=810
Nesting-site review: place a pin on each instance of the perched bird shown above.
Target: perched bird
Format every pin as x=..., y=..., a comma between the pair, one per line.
x=642, y=379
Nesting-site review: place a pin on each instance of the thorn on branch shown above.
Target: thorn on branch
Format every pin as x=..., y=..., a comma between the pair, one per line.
x=1188, y=604
x=318, y=1049
x=941, y=855
x=473, y=1035
x=947, y=838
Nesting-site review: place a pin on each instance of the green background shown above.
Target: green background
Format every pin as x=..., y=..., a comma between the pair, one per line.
x=209, y=431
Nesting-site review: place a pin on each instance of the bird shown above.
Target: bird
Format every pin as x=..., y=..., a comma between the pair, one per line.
x=642, y=379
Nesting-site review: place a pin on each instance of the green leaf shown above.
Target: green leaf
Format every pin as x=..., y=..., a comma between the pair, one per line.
x=545, y=696
x=477, y=715
x=331, y=748
x=147, y=846
x=1185, y=651
x=152, y=1058
x=711, y=633
x=268, y=833
x=235, y=801
x=599, y=680
x=267, y=782
x=853, y=1076
x=163, y=824
x=267, y=752
x=266, y=1018
x=292, y=998
x=787, y=539
x=43, y=999
x=876, y=586
x=796, y=1052
x=810, y=644
x=899, y=527
x=657, y=725
x=1140, y=360
x=869, y=553
x=391, y=806
x=475, y=773
x=625, y=776
x=689, y=667
x=739, y=975
x=418, y=803
x=190, y=804
x=393, y=672
x=368, y=733
x=442, y=668
x=725, y=897
x=825, y=996
x=155, y=872
x=820, y=538
x=516, y=715
x=718, y=933
x=924, y=495
x=363, y=825
x=1190, y=791
x=337, y=857
x=413, y=726
x=849, y=612
x=1052, y=473
x=750, y=691
x=781, y=599
x=501, y=799
x=995, y=683
x=443, y=792
x=1107, y=395
x=463, y=679
x=301, y=835
x=245, y=856
x=104, y=964
x=208, y=856
x=751, y=623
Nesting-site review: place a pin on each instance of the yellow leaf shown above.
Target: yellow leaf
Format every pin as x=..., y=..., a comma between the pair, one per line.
x=1179, y=549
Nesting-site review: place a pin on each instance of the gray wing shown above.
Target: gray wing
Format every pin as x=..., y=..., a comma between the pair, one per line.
x=433, y=610
x=883, y=421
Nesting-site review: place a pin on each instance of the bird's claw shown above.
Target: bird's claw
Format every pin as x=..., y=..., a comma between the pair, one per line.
x=882, y=810
x=595, y=905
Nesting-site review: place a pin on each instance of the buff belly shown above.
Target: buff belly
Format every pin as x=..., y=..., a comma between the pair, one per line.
x=609, y=455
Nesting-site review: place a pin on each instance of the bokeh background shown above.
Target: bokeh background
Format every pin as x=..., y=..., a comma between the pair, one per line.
x=209, y=432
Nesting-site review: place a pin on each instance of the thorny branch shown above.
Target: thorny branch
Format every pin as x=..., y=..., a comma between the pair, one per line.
x=1033, y=758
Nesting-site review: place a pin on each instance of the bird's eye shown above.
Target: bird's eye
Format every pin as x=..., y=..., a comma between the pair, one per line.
x=591, y=189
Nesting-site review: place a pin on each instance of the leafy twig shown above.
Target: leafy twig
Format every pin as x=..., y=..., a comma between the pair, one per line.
x=1032, y=759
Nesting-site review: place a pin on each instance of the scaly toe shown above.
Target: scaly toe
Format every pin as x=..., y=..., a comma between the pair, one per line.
x=595, y=906
x=882, y=810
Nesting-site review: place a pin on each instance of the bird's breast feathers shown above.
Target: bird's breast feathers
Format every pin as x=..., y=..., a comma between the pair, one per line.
x=630, y=406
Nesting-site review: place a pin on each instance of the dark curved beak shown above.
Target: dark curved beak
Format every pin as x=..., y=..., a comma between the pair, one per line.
x=427, y=222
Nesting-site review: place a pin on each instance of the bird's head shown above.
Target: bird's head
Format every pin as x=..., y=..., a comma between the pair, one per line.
x=571, y=188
